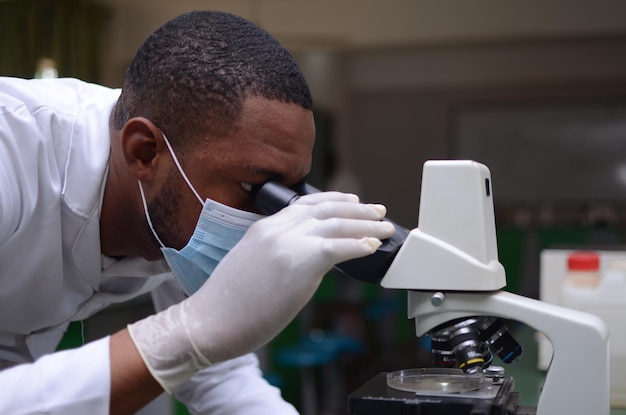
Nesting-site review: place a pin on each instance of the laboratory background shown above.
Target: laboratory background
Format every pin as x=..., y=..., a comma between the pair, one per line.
x=535, y=90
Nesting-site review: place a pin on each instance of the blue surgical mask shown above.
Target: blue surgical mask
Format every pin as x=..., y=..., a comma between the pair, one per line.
x=218, y=230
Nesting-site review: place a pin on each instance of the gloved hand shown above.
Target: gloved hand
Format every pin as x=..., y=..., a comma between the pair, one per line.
x=260, y=285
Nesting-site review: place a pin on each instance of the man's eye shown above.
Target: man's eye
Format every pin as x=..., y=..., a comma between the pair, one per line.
x=247, y=186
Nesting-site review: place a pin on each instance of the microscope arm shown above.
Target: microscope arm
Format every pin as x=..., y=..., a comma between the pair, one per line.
x=580, y=342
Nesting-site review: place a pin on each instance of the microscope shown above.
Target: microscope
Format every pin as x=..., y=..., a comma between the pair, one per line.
x=450, y=269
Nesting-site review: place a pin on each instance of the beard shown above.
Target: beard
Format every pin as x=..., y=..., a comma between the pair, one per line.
x=164, y=214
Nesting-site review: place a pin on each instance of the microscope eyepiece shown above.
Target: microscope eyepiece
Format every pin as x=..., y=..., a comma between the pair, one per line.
x=273, y=196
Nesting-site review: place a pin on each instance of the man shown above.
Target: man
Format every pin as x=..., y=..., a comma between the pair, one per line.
x=98, y=187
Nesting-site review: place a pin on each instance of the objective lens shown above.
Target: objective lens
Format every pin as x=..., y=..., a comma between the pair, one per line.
x=459, y=343
x=494, y=332
x=469, y=344
x=442, y=352
x=468, y=351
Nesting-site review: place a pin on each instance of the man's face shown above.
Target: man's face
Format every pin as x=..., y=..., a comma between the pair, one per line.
x=273, y=141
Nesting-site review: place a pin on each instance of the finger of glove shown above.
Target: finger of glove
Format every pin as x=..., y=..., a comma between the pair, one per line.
x=348, y=210
x=343, y=249
x=353, y=228
x=317, y=198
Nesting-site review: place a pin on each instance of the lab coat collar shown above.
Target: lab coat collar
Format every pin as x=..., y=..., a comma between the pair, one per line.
x=85, y=177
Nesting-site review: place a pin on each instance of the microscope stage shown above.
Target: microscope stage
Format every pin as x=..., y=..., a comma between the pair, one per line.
x=494, y=397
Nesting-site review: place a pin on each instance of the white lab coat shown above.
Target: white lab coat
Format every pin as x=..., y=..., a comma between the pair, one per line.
x=54, y=150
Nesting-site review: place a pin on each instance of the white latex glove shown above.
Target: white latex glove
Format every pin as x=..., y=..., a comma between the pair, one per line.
x=260, y=286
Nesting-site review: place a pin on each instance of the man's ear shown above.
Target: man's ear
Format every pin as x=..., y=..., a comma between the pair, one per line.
x=142, y=145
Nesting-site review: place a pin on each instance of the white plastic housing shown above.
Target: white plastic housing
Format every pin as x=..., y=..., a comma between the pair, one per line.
x=454, y=246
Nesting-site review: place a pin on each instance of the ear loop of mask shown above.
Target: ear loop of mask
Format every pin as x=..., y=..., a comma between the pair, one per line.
x=182, y=173
x=180, y=169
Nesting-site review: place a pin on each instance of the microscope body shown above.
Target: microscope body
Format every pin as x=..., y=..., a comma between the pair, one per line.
x=450, y=267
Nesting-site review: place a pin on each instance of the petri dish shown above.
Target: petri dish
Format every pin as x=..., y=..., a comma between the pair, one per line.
x=434, y=380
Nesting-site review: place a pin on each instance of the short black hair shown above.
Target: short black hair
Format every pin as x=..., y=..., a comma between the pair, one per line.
x=191, y=76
